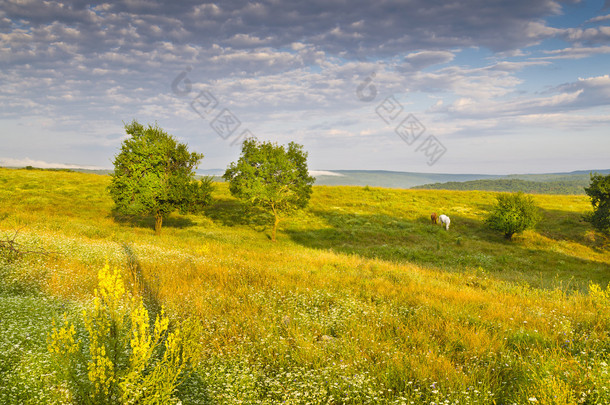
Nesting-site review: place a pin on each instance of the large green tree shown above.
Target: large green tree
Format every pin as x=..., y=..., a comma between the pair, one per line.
x=599, y=191
x=513, y=213
x=154, y=175
x=272, y=177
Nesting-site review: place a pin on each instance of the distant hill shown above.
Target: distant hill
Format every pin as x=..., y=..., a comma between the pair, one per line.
x=389, y=179
x=552, y=183
x=511, y=185
x=547, y=183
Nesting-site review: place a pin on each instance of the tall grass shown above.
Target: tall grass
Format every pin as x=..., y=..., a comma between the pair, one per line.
x=362, y=300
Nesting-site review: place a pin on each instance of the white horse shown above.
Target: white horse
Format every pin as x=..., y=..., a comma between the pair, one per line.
x=444, y=220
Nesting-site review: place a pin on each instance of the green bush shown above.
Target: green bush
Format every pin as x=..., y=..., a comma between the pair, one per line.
x=599, y=191
x=513, y=213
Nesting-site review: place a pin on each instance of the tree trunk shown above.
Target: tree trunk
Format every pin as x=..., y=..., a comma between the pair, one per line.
x=158, y=223
x=275, y=222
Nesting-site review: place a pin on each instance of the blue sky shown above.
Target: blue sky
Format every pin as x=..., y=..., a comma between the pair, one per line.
x=449, y=87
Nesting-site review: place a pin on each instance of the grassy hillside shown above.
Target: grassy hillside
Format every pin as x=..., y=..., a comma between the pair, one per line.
x=362, y=300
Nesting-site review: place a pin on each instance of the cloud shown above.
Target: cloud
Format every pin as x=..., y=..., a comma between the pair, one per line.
x=324, y=173
x=10, y=162
x=575, y=52
x=420, y=60
x=570, y=97
x=599, y=18
x=287, y=69
x=599, y=35
x=364, y=29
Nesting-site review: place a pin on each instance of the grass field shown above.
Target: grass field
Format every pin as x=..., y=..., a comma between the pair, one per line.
x=361, y=300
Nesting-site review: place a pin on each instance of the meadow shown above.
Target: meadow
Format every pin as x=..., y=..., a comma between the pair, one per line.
x=361, y=301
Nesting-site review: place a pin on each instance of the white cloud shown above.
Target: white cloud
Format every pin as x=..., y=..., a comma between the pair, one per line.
x=423, y=59
x=599, y=18
x=11, y=162
x=575, y=52
x=315, y=173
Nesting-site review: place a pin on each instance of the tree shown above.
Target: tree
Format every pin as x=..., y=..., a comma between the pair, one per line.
x=599, y=191
x=154, y=175
x=271, y=177
x=513, y=213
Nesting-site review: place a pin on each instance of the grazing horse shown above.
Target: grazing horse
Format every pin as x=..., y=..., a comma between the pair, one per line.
x=434, y=217
x=445, y=221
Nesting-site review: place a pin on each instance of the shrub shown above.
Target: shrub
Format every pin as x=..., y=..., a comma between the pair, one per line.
x=513, y=213
x=599, y=191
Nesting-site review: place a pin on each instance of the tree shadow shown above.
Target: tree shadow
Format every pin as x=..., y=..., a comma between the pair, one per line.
x=232, y=213
x=147, y=221
x=467, y=245
x=571, y=226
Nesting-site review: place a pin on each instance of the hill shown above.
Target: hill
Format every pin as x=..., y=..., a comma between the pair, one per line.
x=553, y=183
x=574, y=187
x=362, y=300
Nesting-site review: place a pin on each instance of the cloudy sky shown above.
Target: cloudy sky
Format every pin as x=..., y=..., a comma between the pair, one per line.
x=472, y=86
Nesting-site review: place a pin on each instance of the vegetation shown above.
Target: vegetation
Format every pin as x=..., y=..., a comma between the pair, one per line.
x=513, y=213
x=599, y=192
x=154, y=174
x=568, y=186
x=271, y=177
x=361, y=301
x=116, y=363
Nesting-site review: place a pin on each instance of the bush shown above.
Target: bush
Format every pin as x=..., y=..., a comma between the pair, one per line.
x=599, y=191
x=513, y=213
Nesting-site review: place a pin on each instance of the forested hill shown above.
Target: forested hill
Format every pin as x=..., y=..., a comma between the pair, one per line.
x=575, y=186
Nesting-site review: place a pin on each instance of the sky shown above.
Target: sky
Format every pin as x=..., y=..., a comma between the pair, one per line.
x=480, y=86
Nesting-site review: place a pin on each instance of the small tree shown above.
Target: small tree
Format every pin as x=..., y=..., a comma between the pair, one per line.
x=154, y=174
x=513, y=213
x=271, y=177
x=599, y=191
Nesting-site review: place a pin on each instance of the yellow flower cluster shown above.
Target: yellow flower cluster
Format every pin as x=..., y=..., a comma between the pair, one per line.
x=61, y=341
x=111, y=288
x=100, y=369
x=142, y=379
x=102, y=323
x=598, y=295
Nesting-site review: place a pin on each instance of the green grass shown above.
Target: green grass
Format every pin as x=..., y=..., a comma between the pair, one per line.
x=361, y=300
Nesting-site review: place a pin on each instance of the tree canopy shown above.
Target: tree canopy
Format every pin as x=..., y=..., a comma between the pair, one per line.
x=272, y=177
x=154, y=175
x=599, y=191
x=513, y=213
